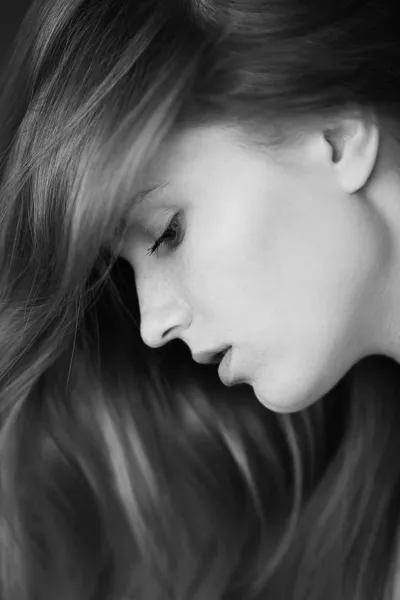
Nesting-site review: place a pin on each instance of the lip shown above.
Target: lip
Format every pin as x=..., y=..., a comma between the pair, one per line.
x=209, y=357
x=225, y=372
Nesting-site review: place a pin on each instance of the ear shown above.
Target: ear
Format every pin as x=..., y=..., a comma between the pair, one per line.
x=354, y=149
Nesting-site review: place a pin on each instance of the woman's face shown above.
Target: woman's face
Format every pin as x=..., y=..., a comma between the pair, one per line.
x=267, y=255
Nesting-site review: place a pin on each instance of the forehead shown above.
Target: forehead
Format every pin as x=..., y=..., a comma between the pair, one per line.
x=183, y=164
x=204, y=162
x=191, y=151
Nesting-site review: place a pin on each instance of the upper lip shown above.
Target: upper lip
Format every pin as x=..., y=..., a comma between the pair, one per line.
x=212, y=356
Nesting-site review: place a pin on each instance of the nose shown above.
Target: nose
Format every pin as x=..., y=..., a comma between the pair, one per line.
x=160, y=325
x=164, y=314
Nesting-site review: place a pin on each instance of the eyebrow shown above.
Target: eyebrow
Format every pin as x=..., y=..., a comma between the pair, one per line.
x=146, y=194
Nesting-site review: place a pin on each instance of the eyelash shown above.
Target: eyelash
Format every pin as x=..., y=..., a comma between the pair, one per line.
x=173, y=229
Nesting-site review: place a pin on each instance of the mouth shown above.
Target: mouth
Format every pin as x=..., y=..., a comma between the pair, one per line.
x=210, y=357
x=225, y=368
x=219, y=357
x=223, y=358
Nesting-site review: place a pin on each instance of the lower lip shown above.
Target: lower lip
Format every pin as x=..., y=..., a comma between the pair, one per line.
x=224, y=371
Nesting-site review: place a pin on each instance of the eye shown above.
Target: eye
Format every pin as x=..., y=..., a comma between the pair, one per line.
x=172, y=235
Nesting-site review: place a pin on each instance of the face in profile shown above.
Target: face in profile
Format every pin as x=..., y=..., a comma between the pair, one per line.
x=263, y=252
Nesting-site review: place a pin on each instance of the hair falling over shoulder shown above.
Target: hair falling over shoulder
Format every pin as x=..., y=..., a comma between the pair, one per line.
x=127, y=472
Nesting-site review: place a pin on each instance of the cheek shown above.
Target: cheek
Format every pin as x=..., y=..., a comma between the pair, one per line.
x=313, y=311
x=287, y=271
x=315, y=267
x=302, y=348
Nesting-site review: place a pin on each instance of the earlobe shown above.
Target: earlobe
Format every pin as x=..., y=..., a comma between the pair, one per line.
x=354, y=144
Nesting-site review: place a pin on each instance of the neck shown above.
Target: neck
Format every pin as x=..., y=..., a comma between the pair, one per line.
x=383, y=197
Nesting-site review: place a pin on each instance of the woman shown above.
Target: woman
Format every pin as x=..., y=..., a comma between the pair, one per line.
x=215, y=179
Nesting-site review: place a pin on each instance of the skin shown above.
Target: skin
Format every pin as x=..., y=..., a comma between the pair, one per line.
x=286, y=255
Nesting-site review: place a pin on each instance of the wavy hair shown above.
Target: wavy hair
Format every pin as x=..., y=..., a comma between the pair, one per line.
x=127, y=472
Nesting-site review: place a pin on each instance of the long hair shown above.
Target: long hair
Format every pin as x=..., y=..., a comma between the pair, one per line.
x=127, y=472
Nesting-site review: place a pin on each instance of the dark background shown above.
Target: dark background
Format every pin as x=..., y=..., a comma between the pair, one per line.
x=11, y=14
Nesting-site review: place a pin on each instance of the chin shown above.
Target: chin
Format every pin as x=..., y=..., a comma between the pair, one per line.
x=278, y=407
x=284, y=396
